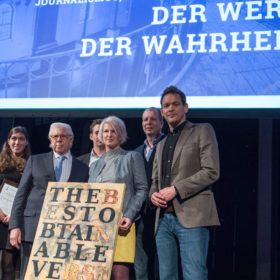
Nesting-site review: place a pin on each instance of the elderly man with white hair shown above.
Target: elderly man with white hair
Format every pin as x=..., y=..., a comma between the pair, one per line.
x=58, y=165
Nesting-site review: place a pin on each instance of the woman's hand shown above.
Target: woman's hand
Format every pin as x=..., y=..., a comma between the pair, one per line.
x=125, y=223
x=6, y=220
x=2, y=215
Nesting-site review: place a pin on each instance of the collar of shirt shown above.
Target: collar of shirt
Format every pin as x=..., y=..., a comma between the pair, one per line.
x=155, y=141
x=66, y=167
x=93, y=157
x=93, y=154
x=67, y=155
x=179, y=128
x=162, y=135
x=148, y=150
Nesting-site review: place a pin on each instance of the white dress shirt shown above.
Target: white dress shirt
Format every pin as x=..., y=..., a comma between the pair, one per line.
x=66, y=165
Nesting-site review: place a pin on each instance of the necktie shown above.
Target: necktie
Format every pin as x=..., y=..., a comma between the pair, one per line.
x=58, y=168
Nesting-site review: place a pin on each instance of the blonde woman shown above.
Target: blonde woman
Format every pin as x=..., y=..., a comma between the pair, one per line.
x=120, y=166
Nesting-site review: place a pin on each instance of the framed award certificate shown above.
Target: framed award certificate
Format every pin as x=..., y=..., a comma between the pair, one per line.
x=8, y=190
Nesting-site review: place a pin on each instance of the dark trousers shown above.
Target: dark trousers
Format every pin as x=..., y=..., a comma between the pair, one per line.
x=145, y=263
x=25, y=251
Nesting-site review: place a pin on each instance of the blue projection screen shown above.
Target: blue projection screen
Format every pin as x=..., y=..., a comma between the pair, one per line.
x=122, y=53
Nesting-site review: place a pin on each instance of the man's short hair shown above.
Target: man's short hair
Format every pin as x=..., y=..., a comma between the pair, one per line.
x=155, y=110
x=94, y=123
x=173, y=90
x=61, y=125
x=118, y=125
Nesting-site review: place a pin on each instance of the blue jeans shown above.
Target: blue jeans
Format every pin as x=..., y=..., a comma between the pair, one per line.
x=193, y=246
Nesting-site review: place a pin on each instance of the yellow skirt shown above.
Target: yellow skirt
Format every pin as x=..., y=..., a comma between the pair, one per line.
x=125, y=247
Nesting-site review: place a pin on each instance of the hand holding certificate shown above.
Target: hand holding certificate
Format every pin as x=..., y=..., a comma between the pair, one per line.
x=8, y=191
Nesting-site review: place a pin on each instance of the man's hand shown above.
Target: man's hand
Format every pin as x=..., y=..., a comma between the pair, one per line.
x=168, y=193
x=158, y=200
x=15, y=237
x=2, y=215
x=125, y=224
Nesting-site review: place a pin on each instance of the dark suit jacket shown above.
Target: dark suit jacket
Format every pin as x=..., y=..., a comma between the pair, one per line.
x=149, y=163
x=39, y=170
x=147, y=212
x=84, y=158
x=195, y=166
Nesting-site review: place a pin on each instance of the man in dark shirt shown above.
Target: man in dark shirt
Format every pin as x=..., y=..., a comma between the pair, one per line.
x=144, y=264
x=186, y=163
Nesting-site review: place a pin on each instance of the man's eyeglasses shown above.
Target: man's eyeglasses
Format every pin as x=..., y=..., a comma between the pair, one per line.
x=61, y=136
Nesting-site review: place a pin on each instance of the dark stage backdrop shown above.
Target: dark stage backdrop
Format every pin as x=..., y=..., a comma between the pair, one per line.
x=235, y=246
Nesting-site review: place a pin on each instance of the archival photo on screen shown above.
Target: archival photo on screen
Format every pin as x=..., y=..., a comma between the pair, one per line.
x=83, y=54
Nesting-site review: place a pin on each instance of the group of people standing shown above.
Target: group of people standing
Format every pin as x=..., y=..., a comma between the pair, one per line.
x=168, y=202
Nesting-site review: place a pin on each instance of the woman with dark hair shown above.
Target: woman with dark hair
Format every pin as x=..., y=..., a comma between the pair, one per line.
x=119, y=166
x=13, y=157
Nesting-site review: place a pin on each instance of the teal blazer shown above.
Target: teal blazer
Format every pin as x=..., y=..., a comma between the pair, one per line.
x=129, y=169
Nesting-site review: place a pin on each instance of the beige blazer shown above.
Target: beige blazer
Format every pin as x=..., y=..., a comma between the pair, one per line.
x=195, y=166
